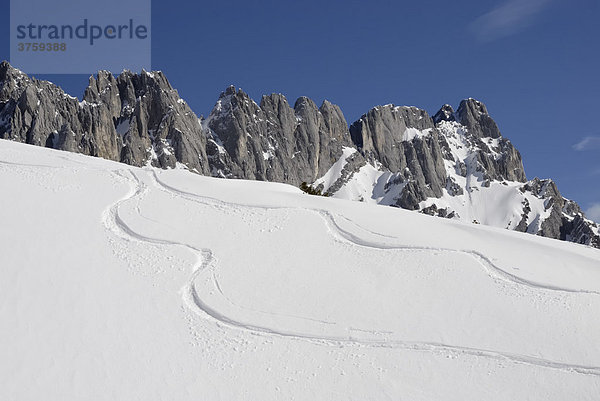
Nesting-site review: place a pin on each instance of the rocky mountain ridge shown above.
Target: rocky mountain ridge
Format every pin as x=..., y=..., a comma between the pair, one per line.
x=455, y=164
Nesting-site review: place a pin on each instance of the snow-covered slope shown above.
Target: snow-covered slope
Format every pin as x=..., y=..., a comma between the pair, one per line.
x=125, y=283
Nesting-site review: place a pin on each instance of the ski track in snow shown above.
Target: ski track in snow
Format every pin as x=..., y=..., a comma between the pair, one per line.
x=205, y=261
x=339, y=233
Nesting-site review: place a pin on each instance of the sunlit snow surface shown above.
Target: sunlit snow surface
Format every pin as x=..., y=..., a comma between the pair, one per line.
x=119, y=283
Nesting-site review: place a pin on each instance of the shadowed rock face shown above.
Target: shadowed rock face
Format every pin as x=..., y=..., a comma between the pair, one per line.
x=40, y=113
x=135, y=119
x=474, y=115
x=565, y=220
x=445, y=113
x=273, y=141
x=155, y=124
x=379, y=132
x=139, y=119
x=385, y=136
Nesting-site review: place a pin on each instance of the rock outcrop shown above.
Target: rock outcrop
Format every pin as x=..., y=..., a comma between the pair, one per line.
x=474, y=115
x=273, y=141
x=403, y=140
x=564, y=220
x=135, y=119
x=451, y=164
x=40, y=113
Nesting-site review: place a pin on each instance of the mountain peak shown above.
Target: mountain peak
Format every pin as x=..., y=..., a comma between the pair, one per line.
x=304, y=102
x=445, y=113
x=7, y=70
x=474, y=105
x=230, y=90
x=4, y=67
x=474, y=115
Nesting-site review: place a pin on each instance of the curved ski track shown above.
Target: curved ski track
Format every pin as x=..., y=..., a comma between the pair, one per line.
x=205, y=260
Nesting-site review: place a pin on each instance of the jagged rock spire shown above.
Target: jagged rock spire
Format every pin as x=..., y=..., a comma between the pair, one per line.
x=445, y=113
x=474, y=115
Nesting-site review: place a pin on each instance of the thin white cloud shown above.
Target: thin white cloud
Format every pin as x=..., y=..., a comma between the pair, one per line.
x=588, y=143
x=593, y=212
x=507, y=19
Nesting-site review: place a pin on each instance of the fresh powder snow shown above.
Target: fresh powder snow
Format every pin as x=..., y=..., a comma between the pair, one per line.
x=132, y=283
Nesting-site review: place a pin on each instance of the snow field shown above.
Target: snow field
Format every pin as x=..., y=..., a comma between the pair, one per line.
x=126, y=283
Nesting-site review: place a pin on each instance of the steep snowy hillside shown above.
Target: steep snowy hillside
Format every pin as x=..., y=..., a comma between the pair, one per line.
x=126, y=283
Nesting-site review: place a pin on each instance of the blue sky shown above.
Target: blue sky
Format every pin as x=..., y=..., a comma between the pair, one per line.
x=534, y=63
